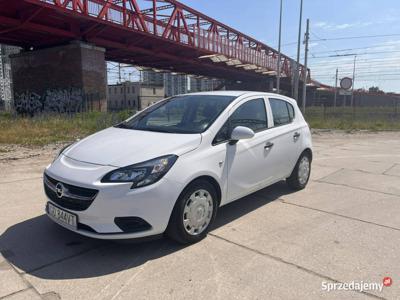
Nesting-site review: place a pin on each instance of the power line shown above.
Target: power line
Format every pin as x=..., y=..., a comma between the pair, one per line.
x=371, y=62
x=352, y=54
x=359, y=48
x=367, y=74
x=356, y=37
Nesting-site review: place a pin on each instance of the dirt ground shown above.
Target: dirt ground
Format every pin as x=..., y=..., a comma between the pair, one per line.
x=274, y=244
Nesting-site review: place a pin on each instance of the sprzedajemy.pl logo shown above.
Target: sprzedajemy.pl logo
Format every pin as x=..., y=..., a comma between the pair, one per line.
x=360, y=286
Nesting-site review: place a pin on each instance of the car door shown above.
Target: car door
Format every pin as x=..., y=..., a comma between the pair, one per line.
x=285, y=134
x=248, y=160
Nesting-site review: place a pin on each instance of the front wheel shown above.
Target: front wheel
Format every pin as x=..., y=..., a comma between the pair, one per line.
x=193, y=213
x=301, y=173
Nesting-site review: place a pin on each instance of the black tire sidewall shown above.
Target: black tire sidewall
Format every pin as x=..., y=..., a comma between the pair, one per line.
x=293, y=180
x=176, y=227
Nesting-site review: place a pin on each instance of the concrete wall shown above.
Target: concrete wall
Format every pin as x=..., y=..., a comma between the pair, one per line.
x=64, y=78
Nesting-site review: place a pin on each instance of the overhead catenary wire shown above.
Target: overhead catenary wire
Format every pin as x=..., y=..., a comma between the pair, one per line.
x=357, y=37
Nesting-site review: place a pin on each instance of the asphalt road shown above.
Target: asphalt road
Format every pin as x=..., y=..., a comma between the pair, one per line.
x=275, y=244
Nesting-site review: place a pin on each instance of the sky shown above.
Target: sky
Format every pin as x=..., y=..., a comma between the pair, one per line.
x=338, y=32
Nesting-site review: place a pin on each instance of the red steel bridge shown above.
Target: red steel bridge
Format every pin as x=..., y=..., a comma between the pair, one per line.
x=160, y=34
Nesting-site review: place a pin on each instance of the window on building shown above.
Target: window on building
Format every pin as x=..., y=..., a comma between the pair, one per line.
x=154, y=91
x=115, y=90
x=133, y=90
x=282, y=111
x=122, y=90
x=128, y=89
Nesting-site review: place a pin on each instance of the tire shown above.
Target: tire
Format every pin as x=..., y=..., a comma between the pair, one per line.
x=193, y=206
x=297, y=179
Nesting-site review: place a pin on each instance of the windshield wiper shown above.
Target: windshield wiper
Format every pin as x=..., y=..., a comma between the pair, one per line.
x=122, y=125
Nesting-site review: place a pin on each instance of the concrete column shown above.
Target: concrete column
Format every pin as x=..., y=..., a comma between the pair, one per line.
x=69, y=78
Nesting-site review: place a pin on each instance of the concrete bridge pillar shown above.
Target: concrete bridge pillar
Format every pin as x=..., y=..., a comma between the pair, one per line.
x=69, y=78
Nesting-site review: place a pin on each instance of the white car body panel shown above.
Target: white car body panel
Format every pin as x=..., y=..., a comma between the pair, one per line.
x=238, y=169
x=120, y=147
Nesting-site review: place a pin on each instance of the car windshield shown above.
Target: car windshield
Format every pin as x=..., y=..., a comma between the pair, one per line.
x=181, y=114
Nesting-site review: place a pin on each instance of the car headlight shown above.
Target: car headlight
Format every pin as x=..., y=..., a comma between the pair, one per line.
x=142, y=174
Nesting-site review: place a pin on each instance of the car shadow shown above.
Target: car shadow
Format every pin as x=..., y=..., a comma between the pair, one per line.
x=46, y=250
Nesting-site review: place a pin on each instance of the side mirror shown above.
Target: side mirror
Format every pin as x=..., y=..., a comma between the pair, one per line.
x=241, y=133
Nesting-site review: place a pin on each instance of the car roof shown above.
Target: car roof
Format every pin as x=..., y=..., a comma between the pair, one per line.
x=244, y=94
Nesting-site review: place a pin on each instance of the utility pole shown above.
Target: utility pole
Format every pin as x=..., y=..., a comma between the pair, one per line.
x=352, y=87
x=306, y=39
x=119, y=73
x=278, y=78
x=296, y=77
x=335, y=97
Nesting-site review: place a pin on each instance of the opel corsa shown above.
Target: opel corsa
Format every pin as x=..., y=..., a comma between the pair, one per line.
x=171, y=166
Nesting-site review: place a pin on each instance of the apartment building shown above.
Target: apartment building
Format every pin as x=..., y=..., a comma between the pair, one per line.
x=133, y=95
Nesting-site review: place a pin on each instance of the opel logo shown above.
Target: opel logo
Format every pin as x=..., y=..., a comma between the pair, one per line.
x=59, y=190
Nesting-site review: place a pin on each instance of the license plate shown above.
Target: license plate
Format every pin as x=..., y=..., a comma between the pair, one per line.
x=61, y=216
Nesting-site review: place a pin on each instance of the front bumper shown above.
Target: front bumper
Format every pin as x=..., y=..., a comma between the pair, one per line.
x=153, y=203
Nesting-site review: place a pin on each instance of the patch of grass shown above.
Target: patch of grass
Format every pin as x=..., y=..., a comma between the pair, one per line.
x=360, y=118
x=45, y=129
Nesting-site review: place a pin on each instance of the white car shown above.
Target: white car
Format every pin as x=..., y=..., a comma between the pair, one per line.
x=170, y=167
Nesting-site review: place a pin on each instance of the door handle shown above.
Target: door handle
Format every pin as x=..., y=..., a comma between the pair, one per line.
x=268, y=145
x=296, y=135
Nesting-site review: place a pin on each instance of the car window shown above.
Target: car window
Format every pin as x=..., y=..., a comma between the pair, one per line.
x=291, y=111
x=282, y=111
x=251, y=114
x=181, y=114
x=223, y=134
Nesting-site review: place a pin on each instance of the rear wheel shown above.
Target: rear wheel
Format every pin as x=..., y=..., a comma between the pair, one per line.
x=193, y=213
x=301, y=173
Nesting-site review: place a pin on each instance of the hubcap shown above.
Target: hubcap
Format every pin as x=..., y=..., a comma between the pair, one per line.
x=198, y=212
x=304, y=170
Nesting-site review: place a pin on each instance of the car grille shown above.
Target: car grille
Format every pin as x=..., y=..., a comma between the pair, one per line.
x=73, y=197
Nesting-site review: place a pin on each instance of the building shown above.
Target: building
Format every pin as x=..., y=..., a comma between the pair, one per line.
x=175, y=84
x=199, y=84
x=152, y=78
x=133, y=95
x=6, y=94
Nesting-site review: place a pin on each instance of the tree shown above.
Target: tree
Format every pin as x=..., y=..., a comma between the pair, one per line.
x=375, y=89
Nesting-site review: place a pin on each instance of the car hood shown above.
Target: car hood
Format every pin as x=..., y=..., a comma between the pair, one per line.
x=122, y=147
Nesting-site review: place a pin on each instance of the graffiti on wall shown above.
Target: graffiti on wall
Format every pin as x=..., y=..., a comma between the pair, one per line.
x=28, y=103
x=69, y=100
